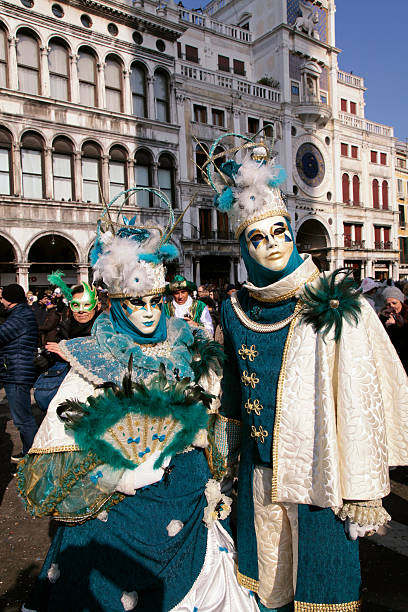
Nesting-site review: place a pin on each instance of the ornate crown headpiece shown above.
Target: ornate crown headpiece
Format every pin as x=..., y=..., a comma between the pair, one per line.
x=247, y=192
x=129, y=258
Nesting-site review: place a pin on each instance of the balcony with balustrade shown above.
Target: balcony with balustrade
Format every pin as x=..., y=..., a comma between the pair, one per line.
x=353, y=244
x=202, y=20
x=360, y=123
x=348, y=78
x=228, y=81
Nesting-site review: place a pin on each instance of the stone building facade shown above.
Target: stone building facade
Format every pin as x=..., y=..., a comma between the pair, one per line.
x=401, y=183
x=100, y=96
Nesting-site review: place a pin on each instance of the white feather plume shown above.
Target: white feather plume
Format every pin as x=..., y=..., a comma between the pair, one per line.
x=121, y=270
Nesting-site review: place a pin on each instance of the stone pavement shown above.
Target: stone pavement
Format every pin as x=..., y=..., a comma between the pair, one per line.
x=25, y=540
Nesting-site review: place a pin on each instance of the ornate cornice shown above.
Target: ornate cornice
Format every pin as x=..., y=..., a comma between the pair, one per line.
x=135, y=17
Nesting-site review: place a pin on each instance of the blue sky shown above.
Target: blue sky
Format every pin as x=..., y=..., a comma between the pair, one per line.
x=372, y=35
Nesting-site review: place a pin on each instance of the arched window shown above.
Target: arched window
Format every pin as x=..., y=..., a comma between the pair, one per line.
x=143, y=177
x=376, y=200
x=219, y=160
x=384, y=188
x=32, y=148
x=3, y=58
x=200, y=159
x=5, y=159
x=87, y=77
x=28, y=63
x=113, y=84
x=58, y=64
x=62, y=165
x=138, y=87
x=117, y=173
x=356, y=190
x=165, y=175
x=161, y=95
x=91, y=172
x=345, y=183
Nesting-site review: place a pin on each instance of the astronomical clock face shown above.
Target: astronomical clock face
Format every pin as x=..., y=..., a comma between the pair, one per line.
x=310, y=164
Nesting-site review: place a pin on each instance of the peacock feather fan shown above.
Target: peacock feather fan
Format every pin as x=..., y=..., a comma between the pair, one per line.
x=125, y=424
x=330, y=301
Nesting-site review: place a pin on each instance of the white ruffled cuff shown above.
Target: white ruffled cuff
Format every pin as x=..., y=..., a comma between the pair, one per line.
x=364, y=513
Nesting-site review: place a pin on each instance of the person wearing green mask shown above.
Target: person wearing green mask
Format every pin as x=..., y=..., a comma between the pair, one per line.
x=310, y=389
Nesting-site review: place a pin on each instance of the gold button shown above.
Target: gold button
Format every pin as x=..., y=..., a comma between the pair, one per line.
x=249, y=379
x=260, y=434
x=253, y=406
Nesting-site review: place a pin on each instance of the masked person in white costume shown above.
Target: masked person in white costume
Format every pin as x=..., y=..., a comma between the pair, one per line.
x=119, y=460
x=314, y=400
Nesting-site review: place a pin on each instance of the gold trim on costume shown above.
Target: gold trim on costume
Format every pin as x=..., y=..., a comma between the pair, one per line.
x=285, y=296
x=351, y=606
x=249, y=583
x=158, y=291
x=53, y=449
x=271, y=212
x=224, y=418
x=263, y=328
x=278, y=412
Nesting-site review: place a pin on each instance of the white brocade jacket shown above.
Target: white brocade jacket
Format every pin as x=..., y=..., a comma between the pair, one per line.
x=341, y=411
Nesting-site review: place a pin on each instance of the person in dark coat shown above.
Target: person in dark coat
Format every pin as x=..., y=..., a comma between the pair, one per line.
x=394, y=317
x=48, y=328
x=18, y=345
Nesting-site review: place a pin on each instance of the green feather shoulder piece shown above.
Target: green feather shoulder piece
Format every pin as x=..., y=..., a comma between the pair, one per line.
x=330, y=301
x=206, y=354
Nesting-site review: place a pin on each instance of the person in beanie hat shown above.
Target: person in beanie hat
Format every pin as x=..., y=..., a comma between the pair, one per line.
x=18, y=344
x=184, y=306
x=394, y=317
x=369, y=288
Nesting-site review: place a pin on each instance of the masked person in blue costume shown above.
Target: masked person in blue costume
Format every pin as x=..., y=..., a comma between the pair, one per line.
x=119, y=460
x=313, y=399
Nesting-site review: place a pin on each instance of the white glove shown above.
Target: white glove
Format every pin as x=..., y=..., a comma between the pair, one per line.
x=354, y=530
x=143, y=475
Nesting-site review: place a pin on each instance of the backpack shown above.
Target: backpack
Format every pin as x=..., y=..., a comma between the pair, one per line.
x=48, y=383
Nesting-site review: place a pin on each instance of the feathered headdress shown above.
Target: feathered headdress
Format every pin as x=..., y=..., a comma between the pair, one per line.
x=249, y=191
x=130, y=258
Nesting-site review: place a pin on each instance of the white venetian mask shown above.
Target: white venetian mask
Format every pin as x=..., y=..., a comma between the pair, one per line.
x=143, y=312
x=269, y=242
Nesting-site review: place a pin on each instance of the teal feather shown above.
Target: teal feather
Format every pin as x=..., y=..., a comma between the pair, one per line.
x=206, y=354
x=224, y=200
x=318, y=312
x=279, y=178
x=56, y=279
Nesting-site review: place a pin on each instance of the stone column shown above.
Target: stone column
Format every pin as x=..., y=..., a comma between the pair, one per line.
x=48, y=173
x=130, y=170
x=369, y=267
x=77, y=195
x=83, y=272
x=12, y=67
x=197, y=273
x=172, y=104
x=73, y=79
x=22, y=275
x=44, y=72
x=105, y=177
x=231, y=271
x=155, y=175
x=150, y=98
x=127, y=94
x=101, y=85
x=16, y=169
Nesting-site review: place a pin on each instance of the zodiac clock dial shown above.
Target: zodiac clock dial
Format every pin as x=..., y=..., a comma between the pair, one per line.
x=310, y=164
